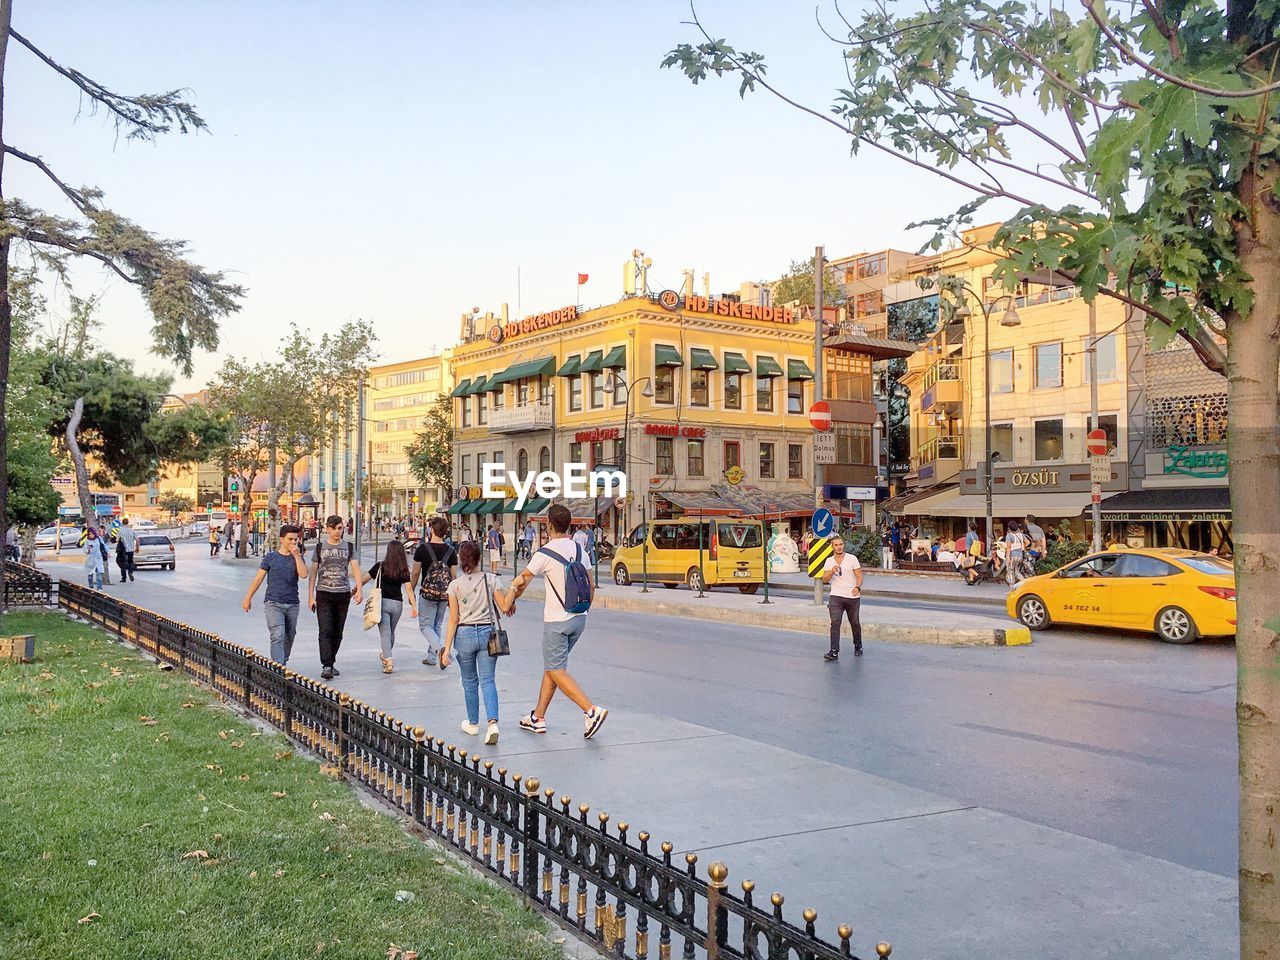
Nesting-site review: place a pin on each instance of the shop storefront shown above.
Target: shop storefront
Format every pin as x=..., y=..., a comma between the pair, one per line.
x=1188, y=518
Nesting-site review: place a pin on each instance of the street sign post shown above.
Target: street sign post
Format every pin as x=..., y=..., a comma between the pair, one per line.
x=819, y=551
x=1095, y=493
x=824, y=447
x=1096, y=443
x=823, y=523
x=820, y=415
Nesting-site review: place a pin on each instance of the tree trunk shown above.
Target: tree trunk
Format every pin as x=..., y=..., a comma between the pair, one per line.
x=246, y=503
x=6, y=309
x=77, y=458
x=1253, y=367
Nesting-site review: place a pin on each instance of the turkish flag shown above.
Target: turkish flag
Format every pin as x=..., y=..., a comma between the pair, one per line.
x=582, y=278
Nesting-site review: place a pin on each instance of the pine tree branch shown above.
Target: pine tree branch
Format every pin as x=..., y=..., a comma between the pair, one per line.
x=75, y=196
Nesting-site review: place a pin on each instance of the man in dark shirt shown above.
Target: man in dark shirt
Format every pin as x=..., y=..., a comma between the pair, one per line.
x=435, y=564
x=281, y=569
x=333, y=570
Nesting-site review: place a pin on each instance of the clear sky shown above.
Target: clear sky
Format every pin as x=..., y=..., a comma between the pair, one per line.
x=399, y=161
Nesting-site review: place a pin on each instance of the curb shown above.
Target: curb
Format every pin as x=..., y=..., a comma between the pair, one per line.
x=1012, y=636
x=794, y=590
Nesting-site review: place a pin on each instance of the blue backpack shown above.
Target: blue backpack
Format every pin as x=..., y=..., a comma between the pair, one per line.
x=577, y=582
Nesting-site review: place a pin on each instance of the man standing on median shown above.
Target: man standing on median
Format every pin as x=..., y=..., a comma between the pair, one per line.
x=128, y=541
x=844, y=573
x=562, y=564
x=333, y=569
x=282, y=568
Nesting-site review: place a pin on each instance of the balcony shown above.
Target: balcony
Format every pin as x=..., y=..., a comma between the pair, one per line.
x=943, y=390
x=531, y=416
x=937, y=460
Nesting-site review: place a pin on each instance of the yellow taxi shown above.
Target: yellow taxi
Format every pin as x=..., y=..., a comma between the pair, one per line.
x=1178, y=594
x=732, y=552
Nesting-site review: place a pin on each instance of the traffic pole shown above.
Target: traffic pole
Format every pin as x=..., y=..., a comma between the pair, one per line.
x=1096, y=507
x=819, y=263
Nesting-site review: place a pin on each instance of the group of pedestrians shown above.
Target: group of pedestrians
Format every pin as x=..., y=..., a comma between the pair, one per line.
x=97, y=554
x=458, y=606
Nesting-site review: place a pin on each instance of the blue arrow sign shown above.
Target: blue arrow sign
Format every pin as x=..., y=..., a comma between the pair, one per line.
x=823, y=522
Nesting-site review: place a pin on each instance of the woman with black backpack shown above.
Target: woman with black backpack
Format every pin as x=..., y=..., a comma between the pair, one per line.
x=435, y=565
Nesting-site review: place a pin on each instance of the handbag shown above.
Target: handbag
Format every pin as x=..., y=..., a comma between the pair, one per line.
x=373, y=604
x=499, y=642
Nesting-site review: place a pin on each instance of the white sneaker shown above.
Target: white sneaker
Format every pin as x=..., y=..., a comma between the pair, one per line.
x=469, y=728
x=491, y=735
x=594, y=720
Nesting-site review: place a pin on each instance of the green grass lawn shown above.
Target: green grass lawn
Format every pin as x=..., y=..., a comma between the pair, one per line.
x=141, y=819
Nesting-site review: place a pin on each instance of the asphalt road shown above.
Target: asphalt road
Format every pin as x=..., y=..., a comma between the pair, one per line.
x=1083, y=772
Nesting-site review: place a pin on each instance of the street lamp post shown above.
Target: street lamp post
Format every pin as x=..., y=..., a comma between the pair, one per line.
x=626, y=427
x=1010, y=319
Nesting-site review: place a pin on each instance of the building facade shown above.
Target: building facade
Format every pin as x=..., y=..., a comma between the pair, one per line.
x=702, y=401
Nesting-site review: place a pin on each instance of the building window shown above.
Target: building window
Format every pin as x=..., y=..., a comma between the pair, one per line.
x=479, y=468
x=1002, y=371
x=575, y=452
x=597, y=390
x=544, y=390
x=664, y=385
x=522, y=393
x=853, y=443
x=795, y=461
x=522, y=462
x=1001, y=443
x=1107, y=368
x=795, y=396
x=666, y=456
x=732, y=454
x=1048, y=358
x=699, y=388
x=619, y=389
x=499, y=397
x=597, y=452
x=872, y=265
x=498, y=457
x=1109, y=424
x=766, y=460
x=1048, y=440
x=544, y=459
x=733, y=391
x=848, y=376
x=764, y=394
x=466, y=412
x=695, y=458
x=575, y=393
x=482, y=409
x=868, y=304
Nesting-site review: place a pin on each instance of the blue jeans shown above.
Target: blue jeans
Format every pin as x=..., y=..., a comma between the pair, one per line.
x=391, y=610
x=282, y=625
x=471, y=649
x=432, y=615
x=93, y=577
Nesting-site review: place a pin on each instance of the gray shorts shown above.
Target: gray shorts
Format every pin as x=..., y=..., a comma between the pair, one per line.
x=558, y=639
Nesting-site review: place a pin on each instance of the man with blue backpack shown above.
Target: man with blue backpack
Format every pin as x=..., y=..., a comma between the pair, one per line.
x=562, y=564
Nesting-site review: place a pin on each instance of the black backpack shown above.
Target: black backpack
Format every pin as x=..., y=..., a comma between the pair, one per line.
x=435, y=581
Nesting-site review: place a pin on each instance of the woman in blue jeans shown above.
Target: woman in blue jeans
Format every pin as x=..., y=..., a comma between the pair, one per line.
x=474, y=601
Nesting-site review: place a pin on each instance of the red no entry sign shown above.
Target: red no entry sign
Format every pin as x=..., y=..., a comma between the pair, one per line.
x=820, y=415
x=1096, y=442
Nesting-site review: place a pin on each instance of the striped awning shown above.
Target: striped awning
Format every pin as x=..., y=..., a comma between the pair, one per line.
x=457, y=507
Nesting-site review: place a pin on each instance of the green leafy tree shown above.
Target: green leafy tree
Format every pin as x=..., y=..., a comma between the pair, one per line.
x=1140, y=145
x=185, y=300
x=431, y=451
x=796, y=285
x=31, y=460
x=174, y=503
x=247, y=397
x=912, y=321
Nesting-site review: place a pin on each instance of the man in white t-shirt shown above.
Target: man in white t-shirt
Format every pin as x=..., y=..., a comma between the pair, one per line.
x=844, y=573
x=561, y=630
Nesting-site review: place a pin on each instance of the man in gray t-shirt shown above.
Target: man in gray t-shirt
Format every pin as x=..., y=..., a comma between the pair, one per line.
x=129, y=540
x=333, y=571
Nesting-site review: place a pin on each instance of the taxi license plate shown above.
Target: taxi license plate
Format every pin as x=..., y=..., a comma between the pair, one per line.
x=742, y=573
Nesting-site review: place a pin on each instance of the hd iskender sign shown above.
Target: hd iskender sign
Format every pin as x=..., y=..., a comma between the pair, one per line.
x=721, y=307
x=531, y=324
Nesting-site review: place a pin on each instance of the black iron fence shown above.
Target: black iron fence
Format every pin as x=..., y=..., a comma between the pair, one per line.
x=26, y=586
x=590, y=878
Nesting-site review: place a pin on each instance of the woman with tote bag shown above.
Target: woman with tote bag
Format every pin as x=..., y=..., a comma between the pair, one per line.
x=475, y=634
x=387, y=599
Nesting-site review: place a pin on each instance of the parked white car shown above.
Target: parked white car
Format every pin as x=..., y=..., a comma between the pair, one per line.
x=199, y=528
x=48, y=537
x=154, y=550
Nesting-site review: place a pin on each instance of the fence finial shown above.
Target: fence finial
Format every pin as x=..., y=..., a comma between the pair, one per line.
x=718, y=873
x=884, y=948
x=531, y=786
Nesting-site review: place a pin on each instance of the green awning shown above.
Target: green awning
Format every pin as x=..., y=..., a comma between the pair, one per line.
x=472, y=506
x=477, y=386
x=593, y=363
x=570, y=368
x=667, y=357
x=616, y=360
x=542, y=367
x=457, y=507
x=798, y=370
x=490, y=506
x=700, y=359
x=536, y=505
x=461, y=389
x=493, y=384
x=767, y=367
x=510, y=505
x=736, y=363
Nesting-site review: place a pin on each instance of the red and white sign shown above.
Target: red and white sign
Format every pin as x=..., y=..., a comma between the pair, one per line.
x=820, y=415
x=1096, y=443
x=1095, y=493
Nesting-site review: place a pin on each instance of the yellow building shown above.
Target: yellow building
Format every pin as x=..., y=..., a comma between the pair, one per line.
x=724, y=429
x=1039, y=393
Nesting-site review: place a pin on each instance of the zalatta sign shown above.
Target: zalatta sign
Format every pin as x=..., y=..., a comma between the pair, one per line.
x=538, y=321
x=721, y=307
x=1206, y=464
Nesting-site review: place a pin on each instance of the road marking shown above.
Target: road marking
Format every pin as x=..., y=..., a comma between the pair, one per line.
x=1070, y=744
